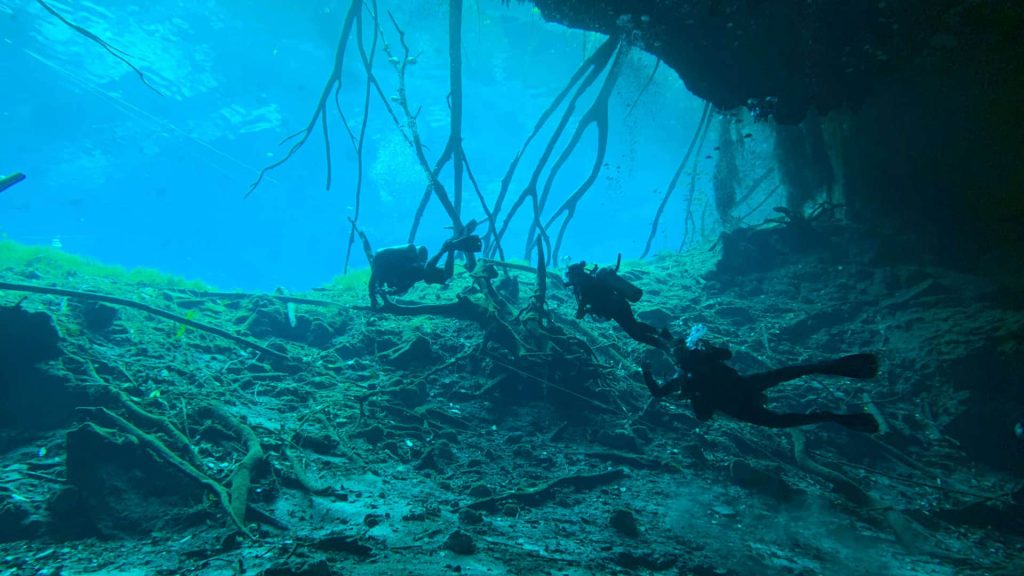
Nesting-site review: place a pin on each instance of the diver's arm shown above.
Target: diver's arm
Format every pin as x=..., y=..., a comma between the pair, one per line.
x=449, y=265
x=445, y=249
x=659, y=390
x=367, y=250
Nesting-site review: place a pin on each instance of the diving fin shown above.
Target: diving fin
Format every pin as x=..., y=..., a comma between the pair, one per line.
x=853, y=366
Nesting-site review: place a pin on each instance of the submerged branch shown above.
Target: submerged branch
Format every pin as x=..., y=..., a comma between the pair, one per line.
x=402, y=63
x=361, y=139
x=690, y=224
x=581, y=80
x=704, y=119
x=320, y=112
x=115, y=52
x=596, y=115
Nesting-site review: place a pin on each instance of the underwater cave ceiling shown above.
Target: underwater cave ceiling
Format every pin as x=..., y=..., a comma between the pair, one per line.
x=932, y=146
x=802, y=53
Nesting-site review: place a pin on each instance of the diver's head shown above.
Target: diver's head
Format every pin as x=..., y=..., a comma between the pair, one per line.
x=686, y=358
x=703, y=354
x=575, y=271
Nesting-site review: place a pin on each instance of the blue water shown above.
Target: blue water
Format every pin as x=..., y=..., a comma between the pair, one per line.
x=122, y=174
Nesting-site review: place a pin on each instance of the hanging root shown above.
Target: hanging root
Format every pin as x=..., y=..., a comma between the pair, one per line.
x=582, y=79
x=434, y=183
x=704, y=119
x=690, y=225
x=320, y=112
x=115, y=52
x=596, y=115
x=367, y=58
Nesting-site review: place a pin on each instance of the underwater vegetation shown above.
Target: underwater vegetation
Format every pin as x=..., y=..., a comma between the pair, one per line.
x=448, y=429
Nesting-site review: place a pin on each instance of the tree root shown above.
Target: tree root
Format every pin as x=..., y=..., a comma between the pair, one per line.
x=432, y=174
x=115, y=52
x=582, y=79
x=182, y=443
x=320, y=112
x=906, y=532
x=704, y=119
x=596, y=115
x=547, y=491
x=160, y=449
x=689, y=223
x=95, y=297
x=462, y=309
x=841, y=485
x=241, y=478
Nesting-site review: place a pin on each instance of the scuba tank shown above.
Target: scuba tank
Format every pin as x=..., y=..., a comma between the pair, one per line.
x=610, y=278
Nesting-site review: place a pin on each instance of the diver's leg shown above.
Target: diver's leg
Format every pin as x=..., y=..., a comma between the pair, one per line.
x=764, y=380
x=642, y=332
x=449, y=265
x=637, y=330
x=432, y=263
x=854, y=366
x=762, y=416
x=435, y=275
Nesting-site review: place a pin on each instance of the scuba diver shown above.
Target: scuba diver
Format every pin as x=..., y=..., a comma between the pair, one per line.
x=605, y=294
x=712, y=386
x=393, y=271
x=8, y=181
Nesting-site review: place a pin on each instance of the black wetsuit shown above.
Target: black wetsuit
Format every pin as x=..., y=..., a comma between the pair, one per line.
x=713, y=386
x=393, y=271
x=605, y=294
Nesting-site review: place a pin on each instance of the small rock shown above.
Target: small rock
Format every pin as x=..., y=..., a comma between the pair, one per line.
x=646, y=560
x=318, y=441
x=460, y=542
x=745, y=475
x=343, y=543
x=624, y=522
x=98, y=317
x=372, y=519
x=437, y=457
x=469, y=517
x=725, y=510
x=319, y=335
x=481, y=491
x=373, y=434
